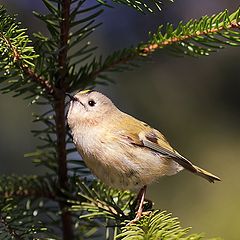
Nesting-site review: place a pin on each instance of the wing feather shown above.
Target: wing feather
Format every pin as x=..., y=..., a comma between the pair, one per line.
x=142, y=135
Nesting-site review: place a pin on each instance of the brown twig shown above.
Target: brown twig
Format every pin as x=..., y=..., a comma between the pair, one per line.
x=151, y=47
x=63, y=44
x=62, y=162
x=44, y=83
x=60, y=115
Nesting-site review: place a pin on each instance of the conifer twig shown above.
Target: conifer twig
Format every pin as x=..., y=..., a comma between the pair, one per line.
x=44, y=83
x=30, y=192
x=152, y=47
x=60, y=115
x=145, y=49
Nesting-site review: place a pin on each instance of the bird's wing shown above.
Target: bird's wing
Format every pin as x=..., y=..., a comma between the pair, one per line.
x=154, y=140
x=142, y=135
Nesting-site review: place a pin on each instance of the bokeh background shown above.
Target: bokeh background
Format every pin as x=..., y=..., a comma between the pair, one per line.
x=193, y=101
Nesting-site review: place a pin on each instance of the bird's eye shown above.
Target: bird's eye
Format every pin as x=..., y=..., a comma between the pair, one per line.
x=91, y=103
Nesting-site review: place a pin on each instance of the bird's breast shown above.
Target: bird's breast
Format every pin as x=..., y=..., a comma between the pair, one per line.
x=122, y=165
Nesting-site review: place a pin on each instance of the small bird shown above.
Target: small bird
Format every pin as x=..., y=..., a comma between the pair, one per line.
x=122, y=151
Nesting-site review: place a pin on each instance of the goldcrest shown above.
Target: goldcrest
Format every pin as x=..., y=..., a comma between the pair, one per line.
x=119, y=149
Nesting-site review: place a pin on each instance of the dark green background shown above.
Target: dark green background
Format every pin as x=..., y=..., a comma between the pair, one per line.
x=193, y=101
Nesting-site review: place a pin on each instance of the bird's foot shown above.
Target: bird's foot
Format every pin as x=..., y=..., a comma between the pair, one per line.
x=146, y=213
x=136, y=219
x=138, y=216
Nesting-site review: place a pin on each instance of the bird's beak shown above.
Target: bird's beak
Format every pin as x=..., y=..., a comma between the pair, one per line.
x=72, y=98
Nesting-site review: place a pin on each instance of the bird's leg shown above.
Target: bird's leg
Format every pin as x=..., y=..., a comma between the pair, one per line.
x=141, y=196
x=140, y=200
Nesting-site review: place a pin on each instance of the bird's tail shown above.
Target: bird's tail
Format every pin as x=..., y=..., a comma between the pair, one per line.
x=205, y=174
x=196, y=170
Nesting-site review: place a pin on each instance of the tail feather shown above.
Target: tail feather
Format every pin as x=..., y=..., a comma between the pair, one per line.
x=205, y=174
x=196, y=170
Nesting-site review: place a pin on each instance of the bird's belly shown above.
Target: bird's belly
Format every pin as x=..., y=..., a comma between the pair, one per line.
x=120, y=176
x=132, y=169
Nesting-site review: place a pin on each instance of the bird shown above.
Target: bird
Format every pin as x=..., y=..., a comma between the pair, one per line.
x=120, y=150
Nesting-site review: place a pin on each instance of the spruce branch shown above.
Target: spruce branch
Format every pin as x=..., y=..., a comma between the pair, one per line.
x=195, y=38
x=17, y=56
x=28, y=186
x=198, y=37
x=26, y=201
x=98, y=200
x=157, y=225
x=44, y=83
x=21, y=213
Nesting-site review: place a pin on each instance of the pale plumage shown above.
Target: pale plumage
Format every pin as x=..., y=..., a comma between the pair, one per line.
x=120, y=150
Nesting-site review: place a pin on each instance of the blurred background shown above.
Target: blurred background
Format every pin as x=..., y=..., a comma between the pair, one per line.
x=193, y=101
